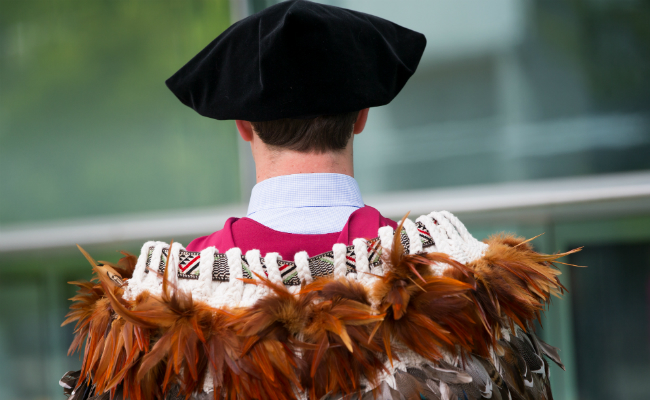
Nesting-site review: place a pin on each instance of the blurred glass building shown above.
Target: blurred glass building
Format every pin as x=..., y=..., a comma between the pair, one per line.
x=528, y=116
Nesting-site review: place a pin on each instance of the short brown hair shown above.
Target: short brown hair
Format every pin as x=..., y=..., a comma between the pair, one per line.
x=320, y=134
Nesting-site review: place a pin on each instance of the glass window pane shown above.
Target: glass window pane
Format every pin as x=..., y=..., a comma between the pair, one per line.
x=87, y=125
x=510, y=90
x=611, y=308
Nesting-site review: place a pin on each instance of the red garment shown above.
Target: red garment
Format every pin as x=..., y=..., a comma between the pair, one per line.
x=248, y=234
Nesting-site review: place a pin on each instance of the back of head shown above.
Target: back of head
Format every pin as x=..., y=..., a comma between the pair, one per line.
x=314, y=135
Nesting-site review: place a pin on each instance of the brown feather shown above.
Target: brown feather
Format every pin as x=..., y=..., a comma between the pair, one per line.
x=125, y=266
x=325, y=340
x=269, y=351
x=513, y=282
x=424, y=312
x=341, y=325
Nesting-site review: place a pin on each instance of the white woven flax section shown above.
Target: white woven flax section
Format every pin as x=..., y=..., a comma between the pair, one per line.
x=361, y=260
x=414, y=237
x=253, y=292
x=218, y=296
x=134, y=287
x=474, y=249
x=302, y=266
x=449, y=236
x=172, y=264
x=205, y=284
x=386, y=237
x=152, y=283
x=340, y=267
x=235, y=285
x=272, y=268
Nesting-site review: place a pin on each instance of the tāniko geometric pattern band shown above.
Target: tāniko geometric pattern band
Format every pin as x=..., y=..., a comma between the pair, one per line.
x=320, y=265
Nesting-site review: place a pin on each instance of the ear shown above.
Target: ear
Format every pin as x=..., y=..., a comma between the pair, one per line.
x=245, y=130
x=361, y=121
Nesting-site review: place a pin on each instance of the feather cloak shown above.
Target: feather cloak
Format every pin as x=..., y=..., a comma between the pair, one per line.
x=417, y=331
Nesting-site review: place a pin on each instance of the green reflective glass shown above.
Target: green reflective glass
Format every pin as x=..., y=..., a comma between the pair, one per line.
x=87, y=125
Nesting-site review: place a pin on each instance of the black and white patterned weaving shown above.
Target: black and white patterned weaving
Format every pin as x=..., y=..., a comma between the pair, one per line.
x=320, y=265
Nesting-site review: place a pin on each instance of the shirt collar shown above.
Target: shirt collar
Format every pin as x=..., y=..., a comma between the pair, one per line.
x=305, y=190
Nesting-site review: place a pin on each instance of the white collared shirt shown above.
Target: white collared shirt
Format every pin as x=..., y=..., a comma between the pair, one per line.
x=305, y=203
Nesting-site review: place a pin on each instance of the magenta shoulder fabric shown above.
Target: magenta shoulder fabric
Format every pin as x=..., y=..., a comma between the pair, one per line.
x=248, y=234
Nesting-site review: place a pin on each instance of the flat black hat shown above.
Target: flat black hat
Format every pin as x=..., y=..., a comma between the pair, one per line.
x=299, y=59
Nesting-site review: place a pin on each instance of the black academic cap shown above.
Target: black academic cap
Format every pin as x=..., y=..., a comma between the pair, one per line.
x=299, y=59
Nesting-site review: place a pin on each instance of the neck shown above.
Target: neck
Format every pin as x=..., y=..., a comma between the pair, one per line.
x=288, y=162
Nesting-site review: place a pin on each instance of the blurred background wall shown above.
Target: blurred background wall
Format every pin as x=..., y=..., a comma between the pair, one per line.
x=529, y=116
